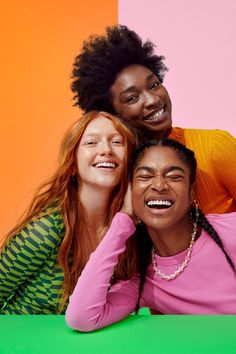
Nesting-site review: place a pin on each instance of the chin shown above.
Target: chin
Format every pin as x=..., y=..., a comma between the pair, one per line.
x=157, y=226
x=161, y=223
x=108, y=184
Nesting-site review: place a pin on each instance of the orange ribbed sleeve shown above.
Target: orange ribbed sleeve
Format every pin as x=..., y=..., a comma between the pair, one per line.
x=215, y=152
x=224, y=156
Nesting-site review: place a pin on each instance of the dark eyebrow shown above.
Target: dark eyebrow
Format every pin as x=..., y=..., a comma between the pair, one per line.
x=145, y=168
x=149, y=77
x=129, y=89
x=173, y=168
x=168, y=169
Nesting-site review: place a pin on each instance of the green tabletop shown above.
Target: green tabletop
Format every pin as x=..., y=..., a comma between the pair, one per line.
x=142, y=334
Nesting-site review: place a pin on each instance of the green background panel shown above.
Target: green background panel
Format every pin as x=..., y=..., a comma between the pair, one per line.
x=140, y=334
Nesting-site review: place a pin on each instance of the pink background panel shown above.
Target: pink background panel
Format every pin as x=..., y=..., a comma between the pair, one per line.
x=198, y=40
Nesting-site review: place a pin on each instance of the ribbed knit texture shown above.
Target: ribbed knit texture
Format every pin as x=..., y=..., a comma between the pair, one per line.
x=215, y=152
x=30, y=275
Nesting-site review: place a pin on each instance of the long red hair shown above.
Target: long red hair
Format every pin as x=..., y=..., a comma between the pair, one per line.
x=61, y=190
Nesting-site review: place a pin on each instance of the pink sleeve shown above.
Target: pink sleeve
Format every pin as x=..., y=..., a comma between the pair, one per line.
x=92, y=305
x=225, y=226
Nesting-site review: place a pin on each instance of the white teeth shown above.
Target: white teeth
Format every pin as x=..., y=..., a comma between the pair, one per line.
x=159, y=202
x=156, y=115
x=159, y=113
x=105, y=164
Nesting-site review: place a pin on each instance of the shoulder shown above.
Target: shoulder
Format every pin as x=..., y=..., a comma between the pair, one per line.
x=222, y=217
x=213, y=140
x=52, y=217
x=225, y=226
x=51, y=220
x=45, y=231
x=223, y=222
x=215, y=133
x=202, y=132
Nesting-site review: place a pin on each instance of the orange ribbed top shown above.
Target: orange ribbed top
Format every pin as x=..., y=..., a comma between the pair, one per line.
x=215, y=152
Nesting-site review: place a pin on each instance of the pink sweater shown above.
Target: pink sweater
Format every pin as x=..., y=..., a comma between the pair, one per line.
x=206, y=286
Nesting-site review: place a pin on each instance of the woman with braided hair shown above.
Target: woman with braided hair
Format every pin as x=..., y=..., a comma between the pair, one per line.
x=177, y=261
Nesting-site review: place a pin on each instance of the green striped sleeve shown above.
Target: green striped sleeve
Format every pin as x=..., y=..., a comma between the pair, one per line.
x=27, y=251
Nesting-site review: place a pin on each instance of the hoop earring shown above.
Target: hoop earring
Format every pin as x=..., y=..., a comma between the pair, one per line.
x=138, y=221
x=194, y=218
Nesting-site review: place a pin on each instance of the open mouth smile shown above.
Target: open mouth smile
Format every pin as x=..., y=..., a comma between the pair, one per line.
x=108, y=165
x=155, y=116
x=159, y=204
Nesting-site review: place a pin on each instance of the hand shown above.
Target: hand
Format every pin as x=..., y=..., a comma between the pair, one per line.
x=127, y=204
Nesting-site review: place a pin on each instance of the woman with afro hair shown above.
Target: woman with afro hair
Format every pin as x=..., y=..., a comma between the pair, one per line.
x=120, y=74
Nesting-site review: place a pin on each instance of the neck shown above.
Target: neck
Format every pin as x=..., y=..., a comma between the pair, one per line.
x=173, y=240
x=96, y=204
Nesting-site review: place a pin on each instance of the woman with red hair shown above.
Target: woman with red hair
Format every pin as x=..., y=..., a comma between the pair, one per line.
x=43, y=256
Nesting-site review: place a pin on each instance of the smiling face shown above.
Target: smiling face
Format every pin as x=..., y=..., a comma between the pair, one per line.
x=100, y=155
x=138, y=95
x=162, y=194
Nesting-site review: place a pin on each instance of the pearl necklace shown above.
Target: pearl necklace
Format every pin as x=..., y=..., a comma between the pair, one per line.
x=184, y=263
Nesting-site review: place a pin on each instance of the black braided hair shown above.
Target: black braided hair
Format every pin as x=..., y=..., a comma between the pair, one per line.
x=144, y=247
x=143, y=241
x=205, y=224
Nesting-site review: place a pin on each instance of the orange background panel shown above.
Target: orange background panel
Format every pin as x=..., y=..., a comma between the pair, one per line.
x=39, y=42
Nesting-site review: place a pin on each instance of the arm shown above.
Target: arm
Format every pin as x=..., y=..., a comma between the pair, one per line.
x=25, y=253
x=224, y=154
x=92, y=305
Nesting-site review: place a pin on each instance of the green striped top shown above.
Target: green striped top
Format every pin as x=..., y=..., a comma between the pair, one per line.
x=30, y=276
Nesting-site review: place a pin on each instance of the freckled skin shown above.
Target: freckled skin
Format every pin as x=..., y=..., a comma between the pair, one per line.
x=101, y=142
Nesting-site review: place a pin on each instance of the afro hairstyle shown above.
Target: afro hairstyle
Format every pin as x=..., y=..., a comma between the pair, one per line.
x=102, y=57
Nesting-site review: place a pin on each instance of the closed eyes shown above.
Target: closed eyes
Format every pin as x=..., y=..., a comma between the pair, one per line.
x=175, y=178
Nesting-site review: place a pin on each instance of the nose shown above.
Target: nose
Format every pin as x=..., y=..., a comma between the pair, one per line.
x=159, y=184
x=105, y=148
x=151, y=100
